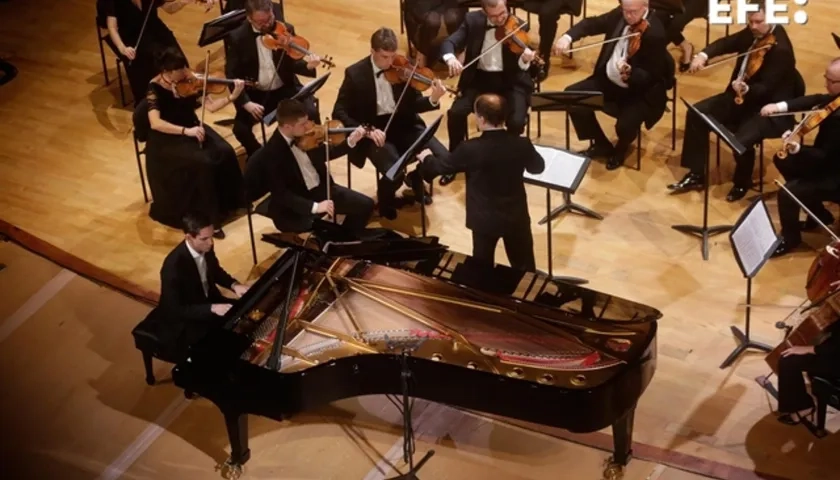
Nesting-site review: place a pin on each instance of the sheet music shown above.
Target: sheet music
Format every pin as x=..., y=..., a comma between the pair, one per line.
x=561, y=167
x=754, y=238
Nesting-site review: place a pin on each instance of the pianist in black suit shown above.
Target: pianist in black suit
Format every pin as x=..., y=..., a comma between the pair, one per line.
x=499, y=71
x=366, y=98
x=634, y=83
x=494, y=163
x=190, y=275
x=273, y=71
x=297, y=179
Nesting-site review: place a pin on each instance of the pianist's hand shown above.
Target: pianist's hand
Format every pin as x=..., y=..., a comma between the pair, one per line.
x=239, y=289
x=220, y=309
x=798, y=350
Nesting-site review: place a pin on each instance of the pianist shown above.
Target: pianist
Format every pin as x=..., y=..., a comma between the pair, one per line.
x=497, y=206
x=189, y=297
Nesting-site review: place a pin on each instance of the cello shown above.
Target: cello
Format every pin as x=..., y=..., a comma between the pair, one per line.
x=821, y=287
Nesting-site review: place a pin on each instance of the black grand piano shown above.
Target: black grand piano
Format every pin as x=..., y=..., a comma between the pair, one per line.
x=334, y=319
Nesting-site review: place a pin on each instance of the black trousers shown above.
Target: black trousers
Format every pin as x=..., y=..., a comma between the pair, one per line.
x=424, y=27
x=517, y=101
x=745, y=123
x=629, y=111
x=356, y=207
x=793, y=396
x=548, y=13
x=812, y=185
x=519, y=246
x=400, y=138
x=243, y=122
x=675, y=24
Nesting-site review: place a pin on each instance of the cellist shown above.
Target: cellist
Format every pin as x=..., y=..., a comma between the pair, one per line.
x=812, y=173
x=767, y=74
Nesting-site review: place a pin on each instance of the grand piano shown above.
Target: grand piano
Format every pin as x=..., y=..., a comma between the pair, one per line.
x=330, y=320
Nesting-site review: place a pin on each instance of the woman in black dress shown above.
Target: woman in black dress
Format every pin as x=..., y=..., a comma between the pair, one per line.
x=124, y=21
x=191, y=168
x=423, y=22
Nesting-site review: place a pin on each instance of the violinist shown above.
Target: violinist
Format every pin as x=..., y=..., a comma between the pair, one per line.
x=632, y=73
x=299, y=180
x=498, y=70
x=125, y=21
x=767, y=75
x=812, y=173
x=273, y=70
x=366, y=97
x=191, y=168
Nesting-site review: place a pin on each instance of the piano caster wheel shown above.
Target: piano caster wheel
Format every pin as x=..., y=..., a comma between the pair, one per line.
x=613, y=471
x=230, y=470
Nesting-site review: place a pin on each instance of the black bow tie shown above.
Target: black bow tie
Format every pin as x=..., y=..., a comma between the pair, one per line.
x=490, y=27
x=380, y=73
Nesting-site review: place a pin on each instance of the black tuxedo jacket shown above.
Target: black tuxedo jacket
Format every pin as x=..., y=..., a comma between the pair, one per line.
x=356, y=105
x=243, y=59
x=494, y=164
x=775, y=81
x=273, y=168
x=826, y=147
x=652, y=74
x=231, y=5
x=181, y=293
x=470, y=36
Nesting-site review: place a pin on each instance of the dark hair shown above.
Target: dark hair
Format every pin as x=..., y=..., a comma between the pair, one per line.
x=289, y=111
x=170, y=59
x=192, y=223
x=491, y=107
x=384, y=39
x=252, y=6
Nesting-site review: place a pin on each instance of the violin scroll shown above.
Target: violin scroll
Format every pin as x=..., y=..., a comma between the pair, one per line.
x=333, y=130
x=295, y=46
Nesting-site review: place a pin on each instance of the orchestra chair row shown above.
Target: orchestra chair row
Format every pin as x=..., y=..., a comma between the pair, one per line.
x=140, y=120
x=101, y=26
x=827, y=393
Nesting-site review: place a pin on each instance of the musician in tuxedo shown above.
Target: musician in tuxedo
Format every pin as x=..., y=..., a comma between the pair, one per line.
x=494, y=163
x=298, y=179
x=634, y=80
x=823, y=360
x=812, y=173
x=189, y=278
x=498, y=71
x=273, y=71
x=548, y=14
x=775, y=79
x=367, y=98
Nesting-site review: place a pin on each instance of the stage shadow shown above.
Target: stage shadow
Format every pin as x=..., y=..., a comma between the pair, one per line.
x=782, y=451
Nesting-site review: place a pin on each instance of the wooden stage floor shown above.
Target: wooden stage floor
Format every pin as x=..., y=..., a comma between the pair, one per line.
x=68, y=176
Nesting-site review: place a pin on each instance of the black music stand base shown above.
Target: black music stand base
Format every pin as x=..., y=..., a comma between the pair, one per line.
x=704, y=233
x=572, y=207
x=744, y=343
x=408, y=428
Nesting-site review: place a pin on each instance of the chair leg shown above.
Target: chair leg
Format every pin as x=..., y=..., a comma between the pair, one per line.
x=251, y=232
x=674, y=119
x=140, y=170
x=120, y=80
x=147, y=364
x=639, y=150
x=262, y=128
x=102, y=56
x=349, y=170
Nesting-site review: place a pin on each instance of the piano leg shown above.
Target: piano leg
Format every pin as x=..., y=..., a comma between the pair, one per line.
x=237, y=428
x=622, y=446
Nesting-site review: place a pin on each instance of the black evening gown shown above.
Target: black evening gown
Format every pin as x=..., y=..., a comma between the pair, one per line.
x=428, y=22
x=186, y=177
x=156, y=37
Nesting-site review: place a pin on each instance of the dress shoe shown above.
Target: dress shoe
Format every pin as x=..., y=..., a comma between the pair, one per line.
x=691, y=181
x=542, y=74
x=446, y=179
x=219, y=234
x=736, y=193
x=784, y=248
x=597, y=150
x=616, y=159
x=388, y=212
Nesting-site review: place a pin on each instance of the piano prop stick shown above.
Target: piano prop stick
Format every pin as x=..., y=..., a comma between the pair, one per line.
x=753, y=240
x=407, y=316
x=563, y=172
x=402, y=163
x=705, y=231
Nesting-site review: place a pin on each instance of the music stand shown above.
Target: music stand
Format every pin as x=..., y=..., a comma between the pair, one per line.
x=753, y=240
x=401, y=164
x=305, y=92
x=563, y=102
x=705, y=231
x=220, y=27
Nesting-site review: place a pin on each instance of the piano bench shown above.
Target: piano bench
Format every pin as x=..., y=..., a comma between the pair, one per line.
x=827, y=392
x=148, y=339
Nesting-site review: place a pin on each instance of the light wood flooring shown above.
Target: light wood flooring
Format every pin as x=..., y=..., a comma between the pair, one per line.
x=68, y=176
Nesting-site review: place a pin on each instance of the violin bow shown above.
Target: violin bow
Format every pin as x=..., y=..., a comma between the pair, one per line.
x=786, y=114
x=733, y=57
x=204, y=92
x=327, y=161
x=603, y=42
x=810, y=214
x=143, y=27
x=491, y=47
x=402, y=94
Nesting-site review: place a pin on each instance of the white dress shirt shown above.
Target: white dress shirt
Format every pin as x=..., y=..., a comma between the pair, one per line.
x=201, y=264
x=268, y=78
x=307, y=169
x=493, y=60
x=385, y=103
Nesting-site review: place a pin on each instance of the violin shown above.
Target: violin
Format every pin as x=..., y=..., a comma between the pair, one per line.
x=808, y=124
x=316, y=135
x=754, y=62
x=193, y=84
x=634, y=43
x=421, y=80
x=517, y=42
x=295, y=46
